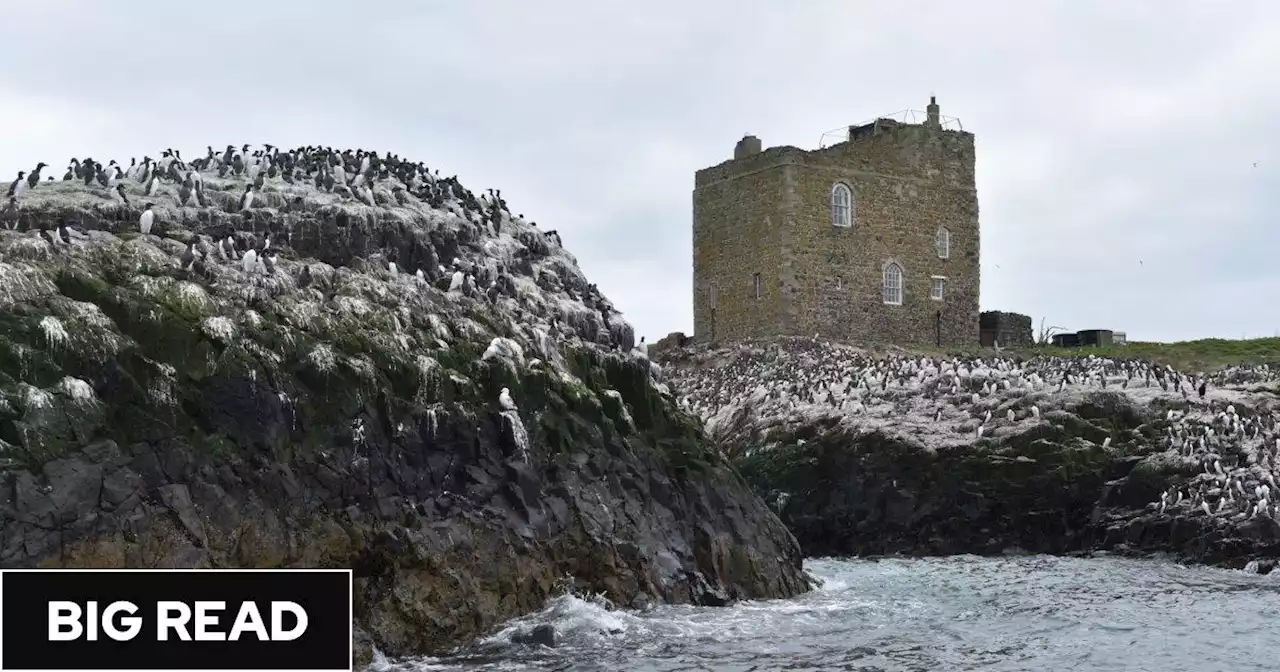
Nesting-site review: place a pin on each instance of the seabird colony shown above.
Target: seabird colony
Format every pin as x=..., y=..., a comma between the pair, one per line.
x=1219, y=424
x=457, y=252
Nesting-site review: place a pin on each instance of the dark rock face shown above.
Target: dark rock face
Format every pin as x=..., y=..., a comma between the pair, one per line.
x=865, y=452
x=542, y=635
x=1122, y=523
x=447, y=533
x=1051, y=490
x=339, y=417
x=874, y=494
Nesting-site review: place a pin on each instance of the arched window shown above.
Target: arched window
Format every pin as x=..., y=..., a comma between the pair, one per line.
x=892, y=293
x=841, y=205
x=943, y=242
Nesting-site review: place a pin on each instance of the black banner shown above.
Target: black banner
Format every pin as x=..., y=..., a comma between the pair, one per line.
x=279, y=619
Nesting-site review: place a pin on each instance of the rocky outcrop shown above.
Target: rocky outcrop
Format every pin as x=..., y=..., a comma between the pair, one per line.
x=866, y=454
x=873, y=494
x=336, y=410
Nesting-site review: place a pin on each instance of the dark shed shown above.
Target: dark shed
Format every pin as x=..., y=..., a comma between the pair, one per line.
x=1066, y=340
x=1095, y=337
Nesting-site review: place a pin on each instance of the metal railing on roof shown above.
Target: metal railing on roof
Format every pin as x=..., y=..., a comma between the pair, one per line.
x=837, y=135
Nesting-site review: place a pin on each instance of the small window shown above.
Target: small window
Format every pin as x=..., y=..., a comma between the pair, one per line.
x=713, y=297
x=937, y=286
x=943, y=242
x=893, y=284
x=841, y=205
x=757, y=286
x=839, y=282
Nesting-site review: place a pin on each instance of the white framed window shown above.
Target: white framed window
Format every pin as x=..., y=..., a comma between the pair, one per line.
x=713, y=297
x=892, y=292
x=937, y=286
x=942, y=241
x=757, y=286
x=841, y=205
x=839, y=282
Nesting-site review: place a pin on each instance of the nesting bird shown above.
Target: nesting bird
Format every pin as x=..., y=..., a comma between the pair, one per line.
x=747, y=390
x=147, y=219
x=18, y=188
x=534, y=290
x=505, y=401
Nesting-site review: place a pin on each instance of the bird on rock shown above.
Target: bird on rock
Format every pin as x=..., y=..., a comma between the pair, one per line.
x=147, y=219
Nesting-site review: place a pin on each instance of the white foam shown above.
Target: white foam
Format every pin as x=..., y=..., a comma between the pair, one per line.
x=578, y=618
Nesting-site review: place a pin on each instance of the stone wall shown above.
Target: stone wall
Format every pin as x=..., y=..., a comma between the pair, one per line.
x=737, y=233
x=769, y=213
x=1009, y=329
x=671, y=342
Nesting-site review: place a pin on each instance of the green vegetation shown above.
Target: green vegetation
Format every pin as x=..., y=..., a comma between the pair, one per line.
x=1204, y=354
x=140, y=353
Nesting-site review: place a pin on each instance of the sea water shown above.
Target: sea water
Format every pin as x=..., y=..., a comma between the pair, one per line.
x=958, y=613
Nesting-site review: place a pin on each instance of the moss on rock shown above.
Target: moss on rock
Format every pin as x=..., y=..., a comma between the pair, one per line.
x=329, y=414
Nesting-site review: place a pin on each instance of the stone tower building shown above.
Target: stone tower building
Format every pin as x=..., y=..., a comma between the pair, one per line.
x=873, y=239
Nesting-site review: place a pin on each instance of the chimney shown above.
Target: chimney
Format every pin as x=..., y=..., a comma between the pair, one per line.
x=748, y=145
x=934, y=119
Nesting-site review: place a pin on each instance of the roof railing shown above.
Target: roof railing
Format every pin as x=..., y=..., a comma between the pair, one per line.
x=841, y=134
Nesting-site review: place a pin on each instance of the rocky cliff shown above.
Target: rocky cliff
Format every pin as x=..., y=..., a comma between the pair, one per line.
x=317, y=380
x=893, y=453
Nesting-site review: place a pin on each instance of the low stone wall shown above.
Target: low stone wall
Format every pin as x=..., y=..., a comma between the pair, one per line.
x=1009, y=329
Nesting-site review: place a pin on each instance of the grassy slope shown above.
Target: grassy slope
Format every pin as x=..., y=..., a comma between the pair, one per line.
x=1205, y=354
x=1202, y=354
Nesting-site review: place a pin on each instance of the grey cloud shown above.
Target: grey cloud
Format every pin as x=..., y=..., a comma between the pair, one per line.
x=1107, y=132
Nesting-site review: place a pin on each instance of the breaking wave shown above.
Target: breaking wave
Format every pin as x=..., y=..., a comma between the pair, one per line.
x=960, y=613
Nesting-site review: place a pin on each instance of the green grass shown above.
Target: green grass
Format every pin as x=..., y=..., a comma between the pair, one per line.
x=1203, y=355
x=1200, y=355
x=1206, y=354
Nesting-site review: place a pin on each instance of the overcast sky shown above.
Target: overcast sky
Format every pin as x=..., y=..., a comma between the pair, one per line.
x=1117, y=141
